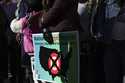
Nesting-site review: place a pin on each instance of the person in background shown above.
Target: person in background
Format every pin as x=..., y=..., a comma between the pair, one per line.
x=115, y=56
x=26, y=23
x=61, y=15
x=106, y=12
x=95, y=42
x=9, y=8
x=3, y=47
x=84, y=21
x=112, y=10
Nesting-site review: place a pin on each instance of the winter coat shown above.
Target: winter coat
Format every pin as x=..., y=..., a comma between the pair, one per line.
x=61, y=15
x=3, y=45
x=118, y=31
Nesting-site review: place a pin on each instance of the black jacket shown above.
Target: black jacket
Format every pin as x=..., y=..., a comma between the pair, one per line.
x=3, y=45
x=62, y=15
x=118, y=32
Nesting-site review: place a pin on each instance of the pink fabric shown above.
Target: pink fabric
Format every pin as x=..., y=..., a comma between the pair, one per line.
x=27, y=40
x=27, y=34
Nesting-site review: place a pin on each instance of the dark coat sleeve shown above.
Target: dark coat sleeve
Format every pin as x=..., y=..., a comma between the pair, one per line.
x=57, y=12
x=3, y=45
x=3, y=41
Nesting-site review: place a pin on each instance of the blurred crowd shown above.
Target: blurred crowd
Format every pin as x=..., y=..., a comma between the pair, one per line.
x=101, y=27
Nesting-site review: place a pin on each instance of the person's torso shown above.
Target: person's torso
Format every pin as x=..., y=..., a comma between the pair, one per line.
x=70, y=18
x=3, y=39
x=9, y=10
x=118, y=32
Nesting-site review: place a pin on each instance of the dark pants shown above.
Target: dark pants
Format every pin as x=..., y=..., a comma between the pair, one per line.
x=92, y=66
x=95, y=63
x=27, y=75
x=14, y=62
x=114, y=62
